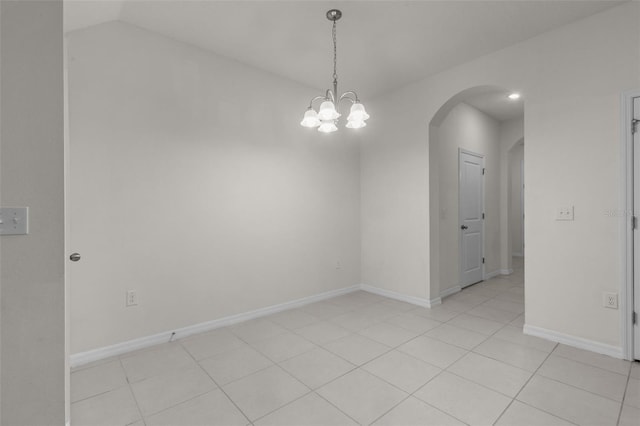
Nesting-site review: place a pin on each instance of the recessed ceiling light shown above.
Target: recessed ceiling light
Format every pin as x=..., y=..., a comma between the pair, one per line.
x=514, y=96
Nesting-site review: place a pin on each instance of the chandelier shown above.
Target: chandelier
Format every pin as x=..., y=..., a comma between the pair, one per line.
x=326, y=117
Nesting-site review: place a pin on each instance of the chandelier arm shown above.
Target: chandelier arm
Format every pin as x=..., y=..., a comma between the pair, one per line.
x=330, y=96
x=315, y=99
x=353, y=100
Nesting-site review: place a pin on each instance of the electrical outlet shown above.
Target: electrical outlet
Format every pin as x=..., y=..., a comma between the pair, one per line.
x=610, y=300
x=132, y=298
x=564, y=213
x=338, y=265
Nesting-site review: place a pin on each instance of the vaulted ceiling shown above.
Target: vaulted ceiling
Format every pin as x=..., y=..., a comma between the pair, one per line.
x=381, y=44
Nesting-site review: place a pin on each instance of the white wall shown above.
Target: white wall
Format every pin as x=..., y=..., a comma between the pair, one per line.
x=571, y=79
x=32, y=174
x=468, y=128
x=193, y=183
x=516, y=221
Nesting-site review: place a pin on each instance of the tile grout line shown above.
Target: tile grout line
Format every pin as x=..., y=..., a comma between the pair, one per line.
x=588, y=364
x=529, y=379
x=283, y=405
x=581, y=389
x=391, y=409
x=470, y=351
x=515, y=344
x=101, y=393
x=292, y=401
x=524, y=386
x=411, y=394
x=460, y=347
x=356, y=367
x=624, y=395
x=282, y=369
x=132, y=392
x=379, y=378
x=335, y=406
x=315, y=346
x=547, y=412
x=446, y=369
x=181, y=402
x=215, y=382
x=313, y=390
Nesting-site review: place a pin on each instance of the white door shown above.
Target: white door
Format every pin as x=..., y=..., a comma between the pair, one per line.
x=471, y=217
x=636, y=232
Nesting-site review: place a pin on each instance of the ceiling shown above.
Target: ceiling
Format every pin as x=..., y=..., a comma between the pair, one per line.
x=381, y=44
x=497, y=104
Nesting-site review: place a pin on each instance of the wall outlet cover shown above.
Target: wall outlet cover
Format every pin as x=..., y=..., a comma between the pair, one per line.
x=564, y=213
x=610, y=300
x=132, y=298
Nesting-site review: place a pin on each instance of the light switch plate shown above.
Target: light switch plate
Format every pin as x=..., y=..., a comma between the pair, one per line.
x=564, y=213
x=14, y=220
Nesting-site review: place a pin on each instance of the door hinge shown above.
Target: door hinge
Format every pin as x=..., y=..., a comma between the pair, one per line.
x=634, y=317
x=483, y=170
x=483, y=215
x=634, y=128
x=483, y=260
x=634, y=222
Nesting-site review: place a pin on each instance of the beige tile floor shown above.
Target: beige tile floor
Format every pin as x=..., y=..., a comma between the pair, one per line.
x=365, y=359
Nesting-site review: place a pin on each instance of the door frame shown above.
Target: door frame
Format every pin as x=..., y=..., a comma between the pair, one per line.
x=481, y=156
x=522, y=197
x=67, y=309
x=626, y=231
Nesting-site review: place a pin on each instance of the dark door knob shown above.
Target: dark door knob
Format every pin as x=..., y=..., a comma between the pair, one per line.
x=74, y=257
x=464, y=227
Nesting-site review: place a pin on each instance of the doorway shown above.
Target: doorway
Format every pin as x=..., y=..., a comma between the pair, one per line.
x=484, y=121
x=471, y=211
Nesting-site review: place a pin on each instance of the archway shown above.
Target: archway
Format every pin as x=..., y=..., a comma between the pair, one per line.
x=478, y=120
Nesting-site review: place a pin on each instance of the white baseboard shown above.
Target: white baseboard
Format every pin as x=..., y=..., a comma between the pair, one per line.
x=498, y=272
x=425, y=303
x=82, y=358
x=450, y=291
x=517, y=254
x=576, y=342
x=435, y=301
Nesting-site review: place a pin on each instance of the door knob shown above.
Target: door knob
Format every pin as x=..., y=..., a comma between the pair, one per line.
x=464, y=227
x=74, y=257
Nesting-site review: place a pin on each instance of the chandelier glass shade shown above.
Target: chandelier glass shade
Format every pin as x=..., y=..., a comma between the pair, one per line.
x=326, y=118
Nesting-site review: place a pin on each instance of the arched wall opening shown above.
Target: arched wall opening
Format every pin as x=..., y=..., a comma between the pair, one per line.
x=489, y=129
